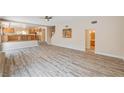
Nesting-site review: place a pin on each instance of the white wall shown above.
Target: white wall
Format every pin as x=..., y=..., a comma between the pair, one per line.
x=68, y=42
x=109, y=34
x=109, y=40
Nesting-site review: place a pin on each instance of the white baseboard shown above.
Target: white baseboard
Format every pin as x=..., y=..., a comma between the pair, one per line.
x=69, y=47
x=110, y=55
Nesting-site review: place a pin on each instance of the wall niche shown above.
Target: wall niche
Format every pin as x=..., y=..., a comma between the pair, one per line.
x=67, y=32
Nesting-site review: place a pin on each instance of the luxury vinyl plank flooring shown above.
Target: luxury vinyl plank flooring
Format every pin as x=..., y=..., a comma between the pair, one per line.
x=53, y=61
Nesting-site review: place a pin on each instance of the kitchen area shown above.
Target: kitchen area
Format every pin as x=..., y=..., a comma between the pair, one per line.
x=19, y=35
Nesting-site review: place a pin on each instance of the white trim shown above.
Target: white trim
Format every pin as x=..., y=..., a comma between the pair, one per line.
x=68, y=47
x=96, y=52
x=110, y=55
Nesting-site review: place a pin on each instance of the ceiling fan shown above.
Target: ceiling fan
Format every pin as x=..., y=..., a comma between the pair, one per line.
x=47, y=18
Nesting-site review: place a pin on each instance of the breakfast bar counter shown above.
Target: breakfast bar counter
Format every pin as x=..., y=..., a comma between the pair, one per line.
x=9, y=38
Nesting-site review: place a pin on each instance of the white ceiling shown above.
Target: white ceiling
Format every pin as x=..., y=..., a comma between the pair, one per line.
x=39, y=19
x=26, y=19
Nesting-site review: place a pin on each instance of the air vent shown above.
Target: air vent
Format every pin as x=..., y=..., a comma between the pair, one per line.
x=94, y=22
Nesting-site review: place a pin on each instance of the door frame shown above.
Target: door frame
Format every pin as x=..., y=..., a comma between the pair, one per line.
x=86, y=45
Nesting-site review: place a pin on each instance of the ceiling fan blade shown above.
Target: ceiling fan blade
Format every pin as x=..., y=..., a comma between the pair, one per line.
x=47, y=17
x=50, y=17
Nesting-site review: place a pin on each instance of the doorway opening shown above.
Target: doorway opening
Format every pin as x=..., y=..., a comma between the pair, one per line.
x=90, y=40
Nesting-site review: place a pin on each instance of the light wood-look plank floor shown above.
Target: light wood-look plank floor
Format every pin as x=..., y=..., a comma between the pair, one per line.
x=53, y=61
